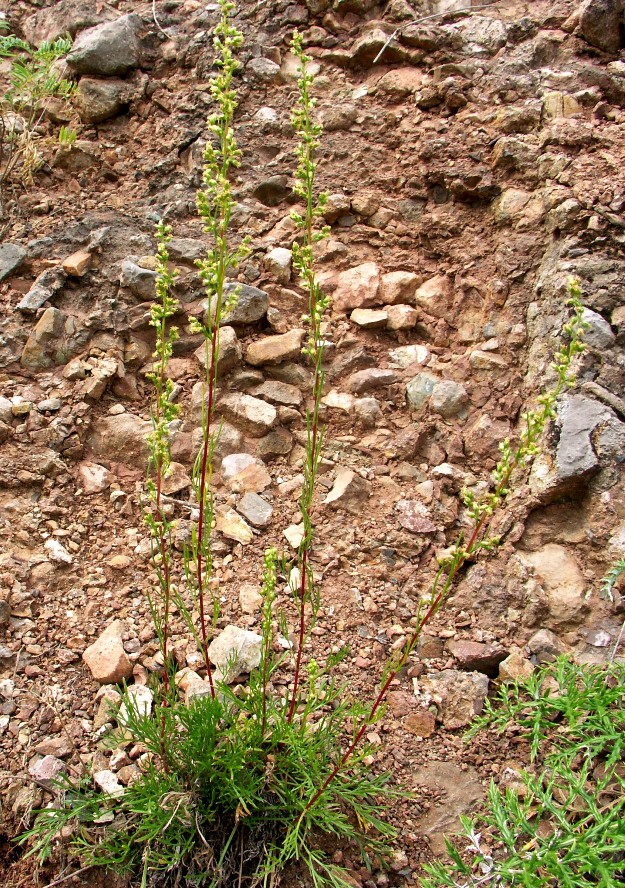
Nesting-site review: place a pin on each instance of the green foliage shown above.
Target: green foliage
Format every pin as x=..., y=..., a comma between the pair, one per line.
x=237, y=784
x=565, y=826
x=234, y=795
x=612, y=577
x=34, y=78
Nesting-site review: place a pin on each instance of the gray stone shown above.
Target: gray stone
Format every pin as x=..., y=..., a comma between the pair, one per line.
x=280, y=393
x=264, y=70
x=251, y=304
x=6, y=409
x=419, y=389
x=53, y=341
x=47, y=284
x=254, y=416
x=100, y=100
x=370, y=379
x=449, y=399
x=255, y=509
x=106, y=657
x=272, y=191
x=66, y=17
x=108, y=49
x=11, y=257
x=369, y=318
x=458, y=696
x=235, y=652
x=599, y=334
x=545, y=646
x=481, y=36
x=187, y=249
x=121, y=438
x=578, y=418
x=140, y=281
x=230, y=351
x=601, y=23
x=368, y=411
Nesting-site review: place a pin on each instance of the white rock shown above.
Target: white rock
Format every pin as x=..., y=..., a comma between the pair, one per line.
x=57, y=552
x=107, y=781
x=235, y=651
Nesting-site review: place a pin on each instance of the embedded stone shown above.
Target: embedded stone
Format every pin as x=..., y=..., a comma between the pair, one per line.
x=415, y=517
x=93, y=478
x=108, y=49
x=106, y=658
x=230, y=351
x=449, y=399
x=368, y=318
x=233, y=527
x=254, y=416
x=278, y=263
x=357, y=287
x=370, y=379
x=11, y=257
x=255, y=509
x=401, y=317
x=399, y=287
x=235, y=652
x=435, y=296
x=275, y=349
x=349, y=491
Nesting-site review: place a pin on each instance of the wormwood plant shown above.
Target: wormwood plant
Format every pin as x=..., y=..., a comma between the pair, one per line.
x=565, y=826
x=32, y=81
x=238, y=784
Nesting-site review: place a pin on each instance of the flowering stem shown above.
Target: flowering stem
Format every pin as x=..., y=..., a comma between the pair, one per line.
x=481, y=511
x=303, y=260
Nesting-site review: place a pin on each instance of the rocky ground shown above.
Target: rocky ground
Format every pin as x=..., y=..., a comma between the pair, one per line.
x=471, y=169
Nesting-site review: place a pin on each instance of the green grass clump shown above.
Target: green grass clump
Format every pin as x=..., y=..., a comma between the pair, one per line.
x=33, y=79
x=566, y=827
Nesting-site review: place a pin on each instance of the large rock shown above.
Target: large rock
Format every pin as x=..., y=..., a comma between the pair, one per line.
x=578, y=419
x=47, y=284
x=435, y=296
x=250, y=304
x=108, y=49
x=399, y=287
x=106, y=658
x=449, y=399
x=235, y=651
x=122, y=438
x=252, y=415
x=357, y=287
x=563, y=581
x=11, y=257
x=230, y=351
x=275, y=349
x=140, y=281
x=100, y=99
x=601, y=24
x=66, y=17
x=458, y=696
x=54, y=340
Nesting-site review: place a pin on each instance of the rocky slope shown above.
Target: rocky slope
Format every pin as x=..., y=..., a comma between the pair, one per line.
x=471, y=169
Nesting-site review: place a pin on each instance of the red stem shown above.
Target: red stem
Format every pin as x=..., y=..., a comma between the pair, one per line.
x=431, y=611
x=200, y=524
